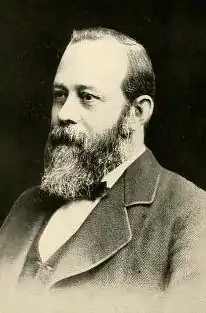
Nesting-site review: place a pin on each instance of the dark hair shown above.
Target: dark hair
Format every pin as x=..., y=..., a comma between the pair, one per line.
x=140, y=78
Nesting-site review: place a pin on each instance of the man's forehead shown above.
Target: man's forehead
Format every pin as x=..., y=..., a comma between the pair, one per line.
x=98, y=60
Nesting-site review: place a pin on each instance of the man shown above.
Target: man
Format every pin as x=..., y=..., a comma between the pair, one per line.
x=106, y=213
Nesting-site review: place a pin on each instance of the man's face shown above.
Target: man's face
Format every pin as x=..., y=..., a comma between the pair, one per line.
x=87, y=86
x=89, y=118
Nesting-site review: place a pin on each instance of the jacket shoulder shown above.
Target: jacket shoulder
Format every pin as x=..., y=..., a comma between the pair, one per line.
x=20, y=206
x=181, y=192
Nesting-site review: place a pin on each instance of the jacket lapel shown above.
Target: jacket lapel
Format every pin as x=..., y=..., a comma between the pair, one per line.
x=107, y=229
x=142, y=180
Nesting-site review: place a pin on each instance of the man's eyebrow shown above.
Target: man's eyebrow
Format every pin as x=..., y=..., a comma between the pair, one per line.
x=80, y=87
x=83, y=87
x=60, y=86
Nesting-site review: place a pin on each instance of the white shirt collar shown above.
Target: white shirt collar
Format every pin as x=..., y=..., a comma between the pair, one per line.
x=115, y=174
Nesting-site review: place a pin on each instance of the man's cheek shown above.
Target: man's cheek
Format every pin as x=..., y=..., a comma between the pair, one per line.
x=54, y=115
x=86, y=126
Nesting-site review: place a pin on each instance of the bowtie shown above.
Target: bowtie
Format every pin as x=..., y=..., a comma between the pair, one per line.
x=98, y=190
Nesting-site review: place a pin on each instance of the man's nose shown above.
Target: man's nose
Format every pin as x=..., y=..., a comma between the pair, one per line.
x=70, y=110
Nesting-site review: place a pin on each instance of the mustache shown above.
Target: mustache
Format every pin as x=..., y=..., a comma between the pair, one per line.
x=65, y=135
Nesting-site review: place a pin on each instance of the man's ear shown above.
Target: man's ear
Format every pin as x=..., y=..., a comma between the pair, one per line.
x=144, y=106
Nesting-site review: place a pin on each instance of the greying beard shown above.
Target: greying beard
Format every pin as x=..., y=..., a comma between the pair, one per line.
x=74, y=162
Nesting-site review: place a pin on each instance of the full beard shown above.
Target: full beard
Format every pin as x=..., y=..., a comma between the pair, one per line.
x=74, y=162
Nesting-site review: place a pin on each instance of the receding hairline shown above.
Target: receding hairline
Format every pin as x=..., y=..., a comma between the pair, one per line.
x=133, y=48
x=140, y=77
x=100, y=33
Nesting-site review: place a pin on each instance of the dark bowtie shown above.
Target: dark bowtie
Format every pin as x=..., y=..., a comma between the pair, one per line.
x=98, y=190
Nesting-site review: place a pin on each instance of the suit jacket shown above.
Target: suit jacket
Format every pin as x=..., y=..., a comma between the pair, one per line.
x=148, y=231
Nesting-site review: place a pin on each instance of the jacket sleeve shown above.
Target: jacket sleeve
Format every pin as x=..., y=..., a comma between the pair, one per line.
x=187, y=253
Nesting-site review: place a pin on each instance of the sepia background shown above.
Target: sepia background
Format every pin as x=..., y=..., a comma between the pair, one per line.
x=33, y=35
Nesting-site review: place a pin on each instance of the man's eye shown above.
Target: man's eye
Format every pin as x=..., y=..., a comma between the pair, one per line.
x=59, y=95
x=87, y=97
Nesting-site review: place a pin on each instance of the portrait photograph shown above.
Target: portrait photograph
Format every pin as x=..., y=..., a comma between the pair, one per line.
x=103, y=135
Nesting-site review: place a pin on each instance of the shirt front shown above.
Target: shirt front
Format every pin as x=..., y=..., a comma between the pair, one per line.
x=66, y=221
